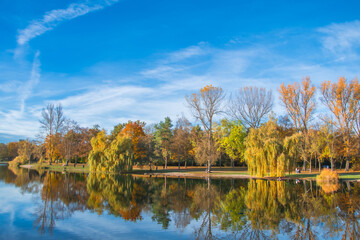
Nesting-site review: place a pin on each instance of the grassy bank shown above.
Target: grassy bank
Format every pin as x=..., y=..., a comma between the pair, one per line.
x=343, y=175
x=82, y=168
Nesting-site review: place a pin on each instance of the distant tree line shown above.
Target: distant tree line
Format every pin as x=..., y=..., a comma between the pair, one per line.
x=229, y=131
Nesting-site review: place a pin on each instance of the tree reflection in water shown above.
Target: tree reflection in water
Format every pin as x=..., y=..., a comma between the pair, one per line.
x=241, y=209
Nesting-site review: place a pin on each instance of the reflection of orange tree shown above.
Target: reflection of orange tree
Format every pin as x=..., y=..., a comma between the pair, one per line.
x=349, y=211
x=26, y=179
x=117, y=194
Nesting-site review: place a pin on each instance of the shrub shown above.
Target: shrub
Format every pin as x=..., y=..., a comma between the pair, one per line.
x=327, y=175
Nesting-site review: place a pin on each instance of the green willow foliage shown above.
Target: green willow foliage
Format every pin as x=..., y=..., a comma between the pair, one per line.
x=267, y=154
x=108, y=155
x=110, y=192
x=264, y=151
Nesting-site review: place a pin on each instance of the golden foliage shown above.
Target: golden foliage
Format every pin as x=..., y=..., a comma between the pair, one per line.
x=328, y=187
x=327, y=175
x=299, y=101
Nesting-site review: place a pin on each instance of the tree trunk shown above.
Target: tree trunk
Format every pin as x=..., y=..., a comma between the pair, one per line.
x=50, y=151
x=166, y=159
x=304, y=166
x=220, y=159
x=186, y=164
x=347, y=164
x=310, y=165
x=179, y=164
x=210, y=154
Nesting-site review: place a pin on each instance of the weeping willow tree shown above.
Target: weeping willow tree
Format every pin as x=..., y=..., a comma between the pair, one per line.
x=108, y=155
x=264, y=151
x=292, y=149
x=267, y=153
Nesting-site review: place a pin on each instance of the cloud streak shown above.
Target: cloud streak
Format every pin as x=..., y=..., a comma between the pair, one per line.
x=34, y=80
x=54, y=17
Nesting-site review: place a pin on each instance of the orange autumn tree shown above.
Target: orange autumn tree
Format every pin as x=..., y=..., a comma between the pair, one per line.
x=134, y=131
x=299, y=101
x=343, y=100
x=52, y=145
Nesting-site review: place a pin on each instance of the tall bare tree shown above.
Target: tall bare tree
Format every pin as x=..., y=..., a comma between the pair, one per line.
x=343, y=100
x=250, y=105
x=51, y=123
x=299, y=101
x=205, y=105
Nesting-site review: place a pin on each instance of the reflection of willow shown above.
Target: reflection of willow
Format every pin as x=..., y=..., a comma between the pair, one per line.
x=117, y=194
x=265, y=206
x=265, y=201
x=61, y=195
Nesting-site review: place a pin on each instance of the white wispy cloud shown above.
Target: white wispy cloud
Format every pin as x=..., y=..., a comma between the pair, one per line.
x=54, y=17
x=188, y=52
x=341, y=37
x=26, y=90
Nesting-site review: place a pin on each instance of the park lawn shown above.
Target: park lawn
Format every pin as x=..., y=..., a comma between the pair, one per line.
x=230, y=173
x=350, y=176
x=60, y=168
x=342, y=175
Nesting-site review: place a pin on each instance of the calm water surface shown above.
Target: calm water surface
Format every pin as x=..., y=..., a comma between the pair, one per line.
x=48, y=205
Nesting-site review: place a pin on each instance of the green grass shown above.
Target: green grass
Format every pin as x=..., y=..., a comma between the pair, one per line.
x=60, y=168
x=304, y=175
x=350, y=176
x=343, y=176
x=230, y=173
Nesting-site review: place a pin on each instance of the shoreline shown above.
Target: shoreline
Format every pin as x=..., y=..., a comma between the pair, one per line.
x=196, y=173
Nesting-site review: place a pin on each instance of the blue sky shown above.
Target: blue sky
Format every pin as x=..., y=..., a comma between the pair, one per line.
x=109, y=61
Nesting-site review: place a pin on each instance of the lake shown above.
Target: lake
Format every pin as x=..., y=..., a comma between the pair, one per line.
x=48, y=205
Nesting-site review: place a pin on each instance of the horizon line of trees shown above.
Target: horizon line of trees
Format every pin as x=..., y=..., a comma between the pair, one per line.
x=241, y=129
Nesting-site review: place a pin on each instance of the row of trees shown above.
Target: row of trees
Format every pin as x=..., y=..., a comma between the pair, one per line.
x=60, y=139
x=242, y=128
x=270, y=148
